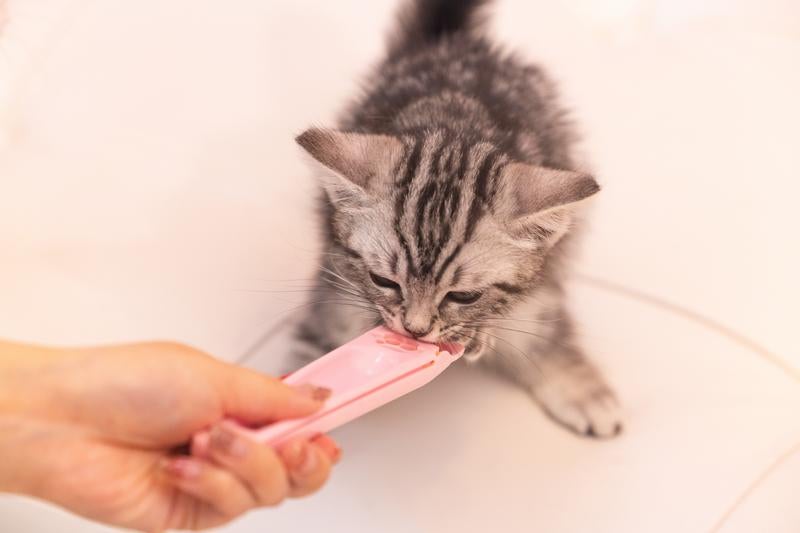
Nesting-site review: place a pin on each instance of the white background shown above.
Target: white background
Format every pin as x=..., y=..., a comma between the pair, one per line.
x=150, y=188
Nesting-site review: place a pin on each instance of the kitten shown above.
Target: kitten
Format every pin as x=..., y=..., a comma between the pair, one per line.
x=450, y=196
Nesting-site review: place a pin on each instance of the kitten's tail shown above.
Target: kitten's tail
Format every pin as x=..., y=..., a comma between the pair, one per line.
x=423, y=22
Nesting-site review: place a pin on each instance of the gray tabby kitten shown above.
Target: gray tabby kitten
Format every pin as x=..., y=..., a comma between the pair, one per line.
x=450, y=196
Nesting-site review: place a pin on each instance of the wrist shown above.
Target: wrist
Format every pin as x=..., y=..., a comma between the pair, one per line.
x=30, y=413
x=20, y=440
x=24, y=373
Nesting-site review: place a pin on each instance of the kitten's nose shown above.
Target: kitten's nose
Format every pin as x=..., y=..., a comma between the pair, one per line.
x=416, y=331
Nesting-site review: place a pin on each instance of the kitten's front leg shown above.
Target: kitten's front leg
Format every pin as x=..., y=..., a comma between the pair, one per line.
x=573, y=392
x=548, y=363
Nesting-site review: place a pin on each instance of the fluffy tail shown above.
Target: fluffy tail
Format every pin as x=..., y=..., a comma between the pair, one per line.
x=422, y=22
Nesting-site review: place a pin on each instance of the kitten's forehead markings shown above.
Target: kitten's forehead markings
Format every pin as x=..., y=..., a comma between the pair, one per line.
x=481, y=160
x=412, y=157
x=393, y=262
x=415, y=199
x=436, y=215
x=457, y=275
x=428, y=228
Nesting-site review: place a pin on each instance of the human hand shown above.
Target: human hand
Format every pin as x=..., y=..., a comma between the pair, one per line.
x=94, y=430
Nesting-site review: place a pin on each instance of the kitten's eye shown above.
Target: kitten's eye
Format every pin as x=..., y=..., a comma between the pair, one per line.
x=463, y=298
x=386, y=283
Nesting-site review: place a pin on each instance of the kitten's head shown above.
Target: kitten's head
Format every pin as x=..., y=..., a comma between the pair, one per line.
x=439, y=234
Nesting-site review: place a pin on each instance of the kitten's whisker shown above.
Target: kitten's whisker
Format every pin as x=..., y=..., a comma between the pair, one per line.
x=291, y=280
x=516, y=348
x=339, y=284
x=334, y=301
x=343, y=288
x=548, y=339
x=512, y=319
x=342, y=291
x=339, y=302
x=279, y=291
x=355, y=299
x=333, y=254
x=337, y=275
x=495, y=326
x=284, y=319
x=474, y=338
x=525, y=332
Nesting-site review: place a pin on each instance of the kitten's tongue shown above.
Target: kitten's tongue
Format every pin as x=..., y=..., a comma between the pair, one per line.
x=453, y=348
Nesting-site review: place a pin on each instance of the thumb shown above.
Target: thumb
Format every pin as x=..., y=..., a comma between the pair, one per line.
x=254, y=398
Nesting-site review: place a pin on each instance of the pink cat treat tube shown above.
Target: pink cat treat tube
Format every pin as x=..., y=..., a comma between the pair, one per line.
x=362, y=375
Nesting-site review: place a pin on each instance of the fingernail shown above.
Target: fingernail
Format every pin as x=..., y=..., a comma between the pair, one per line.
x=330, y=448
x=227, y=442
x=307, y=462
x=200, y=444
x=299, y=457
x=182, y=467
x=318, y=394
x=336, y=454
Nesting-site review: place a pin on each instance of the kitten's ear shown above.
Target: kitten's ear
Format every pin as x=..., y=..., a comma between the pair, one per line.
x=358, y=162
x=541, y=200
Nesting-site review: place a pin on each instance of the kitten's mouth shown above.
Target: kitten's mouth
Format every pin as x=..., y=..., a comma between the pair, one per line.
x=453, y=348
x=464, y=343
x=453, y=344
x=474, y=346
x=451, y=339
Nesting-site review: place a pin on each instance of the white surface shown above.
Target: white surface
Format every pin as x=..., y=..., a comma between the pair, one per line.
x=149, y=187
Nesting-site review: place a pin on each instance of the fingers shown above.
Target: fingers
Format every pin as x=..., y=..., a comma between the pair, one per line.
x=254, y=398
x=329, y=446
x=257, y=466
x=236, y=474
x=308, y=465
x=216, y=487
x=299, y=468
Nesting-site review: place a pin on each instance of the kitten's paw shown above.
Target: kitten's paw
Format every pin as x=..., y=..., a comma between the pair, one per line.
x=582, y=401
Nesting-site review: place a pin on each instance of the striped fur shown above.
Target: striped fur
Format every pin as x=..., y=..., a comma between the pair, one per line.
x=450, y=197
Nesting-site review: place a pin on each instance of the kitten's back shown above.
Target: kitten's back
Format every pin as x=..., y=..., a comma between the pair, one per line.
x=442, y=71
x=424, y=22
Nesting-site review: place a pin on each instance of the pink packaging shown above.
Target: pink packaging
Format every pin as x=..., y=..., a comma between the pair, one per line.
x=363, y=374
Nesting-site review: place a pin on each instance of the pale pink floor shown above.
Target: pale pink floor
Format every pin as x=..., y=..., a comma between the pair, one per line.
x=149, y=188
